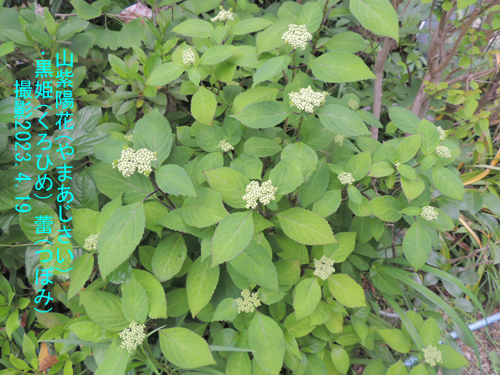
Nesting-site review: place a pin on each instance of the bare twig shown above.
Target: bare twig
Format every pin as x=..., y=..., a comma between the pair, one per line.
x=379, y=74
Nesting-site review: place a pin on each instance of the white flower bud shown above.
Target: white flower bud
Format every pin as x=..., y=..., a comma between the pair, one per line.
x=130, y=160
x=346, y=178
x=442, y=133
x=339, y=138
x=323, y=267
x=297, y=36
x=91, y=242
x=432, y=355
x=188, y=57
x=264, y=193
x=353, y=104
x=249, y=302
x=307, y=99
x=226, y=146
x=429, y=213
x=443, y=151
x=132, y=337
x=397, y=165
x=224, y=15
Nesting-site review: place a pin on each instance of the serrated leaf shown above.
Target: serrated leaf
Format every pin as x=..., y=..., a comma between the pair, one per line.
x=203, y=106
x=307, y=297
x=266, y=338
x=306, y=227
x=341, y=120
x=263, y=114
x=173, y=179
x=79, y=274
x=378, y=16
x=204, y=211
x=120, y=236
x=169, y=257
x=184, y=348
x=232, y=236
x=200, y=284
x=105, y=309
x=134, y=301
x=230, y=183
x=164, y=74
x=157, y=301
x=448, y=182
x=340, y=67
x=347, y=291
x=195, y=28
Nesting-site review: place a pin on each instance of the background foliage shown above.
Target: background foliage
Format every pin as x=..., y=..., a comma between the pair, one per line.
x=177, y=248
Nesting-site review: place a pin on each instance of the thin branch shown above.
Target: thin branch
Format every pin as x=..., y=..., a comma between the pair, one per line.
x=379, y=74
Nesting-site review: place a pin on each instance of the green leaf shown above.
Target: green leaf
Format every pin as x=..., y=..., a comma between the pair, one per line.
x=134, y=301
x=307, y=297
x=195, y=28
x=105, y=310
x=204, y=211
x=232, y=236
x=250, y=25
x=397, y=369
x=263, y=114
x=184, y=348
x=347, y=291
x=30, y=224
x=381, y=169
x=217, y=54
x=169, y=257
x=408, y=147
x=346, y=42
x=329, y=203
x=157, y=301
x=266, y=338
x=89, y=11
x=340, y=67
x=257, y=266
x=238, y=363
x=79, y=274
x=345, y=246
x=200, y=284
x=306, y=227
x=173, y=179
x=310, y=15
x=430, y=332
x=419, y=370
x=164, y=74
x=341, y=120
x=395, y=339
x=451, y=358
x=270, y=38
x=227, y=310
x=462, y=4
x=387, y=208
x=374, y=368
x=203, y=106
x=261, y=147
x=271, y=69
x=316, y=185
x=359, y=165
x=378, y=16
x=120, y=236
x=412, y=188
x=448, y=182
x=404, y=119
x=111, y=183
x=230, y=183
x=115, y=360
x=355, y=195
x=340, y=359
x=430, y=136
x=153, y=132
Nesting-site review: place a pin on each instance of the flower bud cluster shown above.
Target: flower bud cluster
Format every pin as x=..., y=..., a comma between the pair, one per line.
x=353, y=104
x=129, y=137
x=340, y=138
x=91, y=242
x=324, y=267
x=133, y=336
x=297, y=36
x=226, y=146
x=249, y=302
x=233, y=83
x=429, y=213
x=130, y=160
x=264, y=193
x=442, y=133
x=224, y=15
x=443, y=151
x=397, y=165
x=346, y=178
x=188, y=57
x=278, y=140
x=432, y=355
x=307, y=99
